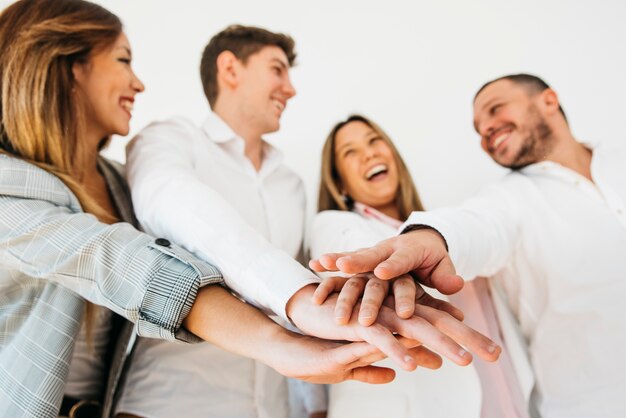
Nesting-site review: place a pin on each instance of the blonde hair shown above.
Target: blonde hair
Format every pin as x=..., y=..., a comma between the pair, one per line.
x=330, y=197
x=40, y=40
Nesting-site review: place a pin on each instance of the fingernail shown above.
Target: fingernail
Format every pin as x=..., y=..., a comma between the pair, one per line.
x=408, y=359
x=462, y=353
x=367, y=313
x=341, y=313
x=492, y=348
x=405, y=307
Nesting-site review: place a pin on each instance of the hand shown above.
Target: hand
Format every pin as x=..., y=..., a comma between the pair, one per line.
x=436, y=329
x=322, y=361
x=373, y=292
x=421, y=253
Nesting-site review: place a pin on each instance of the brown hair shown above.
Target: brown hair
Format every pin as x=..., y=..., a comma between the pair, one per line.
x=242, y=41
x=531, y=83
x=40, y=40
x=330, y=198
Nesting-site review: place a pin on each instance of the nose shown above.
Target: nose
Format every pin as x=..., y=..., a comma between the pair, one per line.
x=288, y=88
x=370, y=152
x=486, y=127
x=136, y=84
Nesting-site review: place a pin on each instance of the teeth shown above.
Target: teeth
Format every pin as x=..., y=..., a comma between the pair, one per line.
x=499, y=140
x=127, y=105
x=279, y=105
x=377, y=169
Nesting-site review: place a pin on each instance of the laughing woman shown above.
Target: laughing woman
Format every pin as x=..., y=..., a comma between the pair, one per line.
x=366, y=192
x=72, y=265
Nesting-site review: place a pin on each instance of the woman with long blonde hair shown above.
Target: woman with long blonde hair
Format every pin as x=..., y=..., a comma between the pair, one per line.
x=71, y=259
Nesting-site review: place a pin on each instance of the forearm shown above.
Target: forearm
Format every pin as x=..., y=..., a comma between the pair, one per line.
x=171, y=201
x=223, y=320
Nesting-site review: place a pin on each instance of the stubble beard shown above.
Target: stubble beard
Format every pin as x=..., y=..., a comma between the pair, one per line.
x=536, y=145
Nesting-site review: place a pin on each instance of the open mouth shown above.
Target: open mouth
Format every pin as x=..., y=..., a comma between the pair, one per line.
x=499, y=137
x=279, y=104
x=376, y=172
x=127, y=104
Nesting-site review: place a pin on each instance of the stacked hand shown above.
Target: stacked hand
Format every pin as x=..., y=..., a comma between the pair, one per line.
x=386, y=302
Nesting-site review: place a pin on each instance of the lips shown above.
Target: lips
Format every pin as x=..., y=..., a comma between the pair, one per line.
x=127, y=104
x=376, y=171
x=498, y=137
x=280, y=104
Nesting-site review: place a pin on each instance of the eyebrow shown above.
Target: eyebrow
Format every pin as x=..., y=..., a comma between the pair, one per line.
x=282, y=63
x=126, y=48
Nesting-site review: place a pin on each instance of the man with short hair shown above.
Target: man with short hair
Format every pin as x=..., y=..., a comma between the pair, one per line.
x=223, y=193
x=552, y=231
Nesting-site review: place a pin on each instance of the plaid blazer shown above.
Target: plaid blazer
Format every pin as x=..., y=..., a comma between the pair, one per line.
x=53, y=257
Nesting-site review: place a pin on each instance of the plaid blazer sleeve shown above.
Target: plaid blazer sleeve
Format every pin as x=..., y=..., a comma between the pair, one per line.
x=44, y=237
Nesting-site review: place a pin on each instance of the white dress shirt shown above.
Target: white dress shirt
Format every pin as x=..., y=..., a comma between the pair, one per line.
x=451, y=391
x=195, y=187
x=557, y=242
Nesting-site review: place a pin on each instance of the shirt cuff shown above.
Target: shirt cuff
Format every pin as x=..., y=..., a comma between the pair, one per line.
x=171, y=292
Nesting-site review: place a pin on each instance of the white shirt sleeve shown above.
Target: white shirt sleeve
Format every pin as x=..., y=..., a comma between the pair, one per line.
x=337, y=231
x=482, y=233
x=170, y=201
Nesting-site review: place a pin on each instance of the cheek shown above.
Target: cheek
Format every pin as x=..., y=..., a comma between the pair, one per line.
x=348, y=174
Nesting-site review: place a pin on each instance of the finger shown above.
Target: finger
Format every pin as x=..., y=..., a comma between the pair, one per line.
x=381, y=337
x=424, y=298
x=328, y=262
x=372, y=374
x=328, y=286
x=468, y=337
x=364, y=260
x=404, y=292
x=400, y=261
x=421, y=329
x=348, y=297
x=375, y=292
x=426, y=358
x=444, y=278
x=315, y=265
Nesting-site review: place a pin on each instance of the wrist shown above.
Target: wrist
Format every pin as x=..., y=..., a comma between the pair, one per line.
x=425, y=229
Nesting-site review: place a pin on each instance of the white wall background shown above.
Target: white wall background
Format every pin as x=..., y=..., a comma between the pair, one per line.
x=412, y=66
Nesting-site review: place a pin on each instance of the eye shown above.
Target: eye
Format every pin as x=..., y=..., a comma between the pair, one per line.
x=494, y=109
x=375, y=140
x=348, y=152
x=277, y=70
x=124, y=60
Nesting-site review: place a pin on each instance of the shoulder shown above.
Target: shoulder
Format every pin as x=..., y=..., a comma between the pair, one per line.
x=176, y=129
x=21, y=179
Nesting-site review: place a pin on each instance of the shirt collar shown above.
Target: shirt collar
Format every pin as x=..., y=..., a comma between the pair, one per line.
x=219, y=132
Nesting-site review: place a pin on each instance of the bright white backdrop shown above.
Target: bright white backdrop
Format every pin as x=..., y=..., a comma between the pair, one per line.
x=412, y=66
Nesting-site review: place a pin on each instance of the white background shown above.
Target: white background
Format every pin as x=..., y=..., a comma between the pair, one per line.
x=412, y=66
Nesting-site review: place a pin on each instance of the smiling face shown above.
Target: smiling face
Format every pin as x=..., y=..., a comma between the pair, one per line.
x=512, y=129
x=107, y=86
x=264, y=88
x=366, y=166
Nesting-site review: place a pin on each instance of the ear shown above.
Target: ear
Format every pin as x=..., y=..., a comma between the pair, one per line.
x=549, y=101
x=227, y=69
x=79, y=71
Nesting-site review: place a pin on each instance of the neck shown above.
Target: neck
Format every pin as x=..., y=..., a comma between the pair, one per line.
x=572, y=154
x=253, y=144
x=390, y=210
x=86, y=157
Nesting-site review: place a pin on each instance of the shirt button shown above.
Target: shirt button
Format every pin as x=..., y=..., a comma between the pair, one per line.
x=162, y=242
